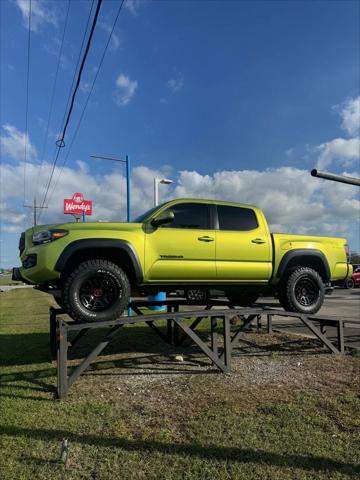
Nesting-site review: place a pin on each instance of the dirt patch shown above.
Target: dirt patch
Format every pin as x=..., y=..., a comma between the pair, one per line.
x=264, y=368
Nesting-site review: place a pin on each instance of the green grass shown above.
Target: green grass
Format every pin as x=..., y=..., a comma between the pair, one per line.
x=195, y=427
x=6, y=280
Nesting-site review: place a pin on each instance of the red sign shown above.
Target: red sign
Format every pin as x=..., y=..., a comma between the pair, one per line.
x=77, y=205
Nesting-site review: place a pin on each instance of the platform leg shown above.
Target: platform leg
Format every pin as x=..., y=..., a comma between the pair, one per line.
x=169, y=326
x=62, y=380
x=269, y=324
x=214, y=336
x=340, y=332
x=227, y=343
x=53, y=335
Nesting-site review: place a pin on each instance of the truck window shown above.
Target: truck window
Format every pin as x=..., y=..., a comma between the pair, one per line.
x=190, y=215
x=236, y=218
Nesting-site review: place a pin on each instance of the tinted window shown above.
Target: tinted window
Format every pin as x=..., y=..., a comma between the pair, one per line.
x=236, y=218
x=190, y=215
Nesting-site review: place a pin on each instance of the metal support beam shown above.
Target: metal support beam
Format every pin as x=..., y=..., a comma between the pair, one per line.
x=177, y=321
x=216, y=360
x=92, y=355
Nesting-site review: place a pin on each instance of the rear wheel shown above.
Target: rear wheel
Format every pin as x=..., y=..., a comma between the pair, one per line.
x=196, y=295
x=97, y=290
x=349, y=283
x=303, y=291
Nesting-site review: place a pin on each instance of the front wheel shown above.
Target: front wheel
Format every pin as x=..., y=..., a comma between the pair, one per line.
x=303, y=291
x=97, y=290
x=349, y=283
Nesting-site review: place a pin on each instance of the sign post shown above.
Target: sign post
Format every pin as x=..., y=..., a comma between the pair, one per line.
x=78, y=206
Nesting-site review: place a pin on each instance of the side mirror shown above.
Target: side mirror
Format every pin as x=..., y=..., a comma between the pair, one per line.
x=163, y=217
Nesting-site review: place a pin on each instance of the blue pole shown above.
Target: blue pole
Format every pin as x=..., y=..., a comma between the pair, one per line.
x=83, y=215
x=128, y=199
x=128, y=188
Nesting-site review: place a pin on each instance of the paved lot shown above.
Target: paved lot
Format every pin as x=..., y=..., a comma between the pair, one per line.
x=7, y=288
x=342, y=303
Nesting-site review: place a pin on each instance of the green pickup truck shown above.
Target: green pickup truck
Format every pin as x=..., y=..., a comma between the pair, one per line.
x=93, y=268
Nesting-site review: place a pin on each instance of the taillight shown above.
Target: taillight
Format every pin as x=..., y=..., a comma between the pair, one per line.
x=347, y=252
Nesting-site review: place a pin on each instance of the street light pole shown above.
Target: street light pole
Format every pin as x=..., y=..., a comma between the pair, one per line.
x=128, y=179
x=157, y=182
x=160, y=295
x=128, y=188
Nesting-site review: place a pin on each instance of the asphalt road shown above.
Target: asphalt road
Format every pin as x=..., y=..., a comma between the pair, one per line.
x=7, y=288
x=342, y=303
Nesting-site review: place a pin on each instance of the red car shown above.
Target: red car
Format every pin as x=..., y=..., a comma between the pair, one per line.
x=353, y=281
x=355, y=278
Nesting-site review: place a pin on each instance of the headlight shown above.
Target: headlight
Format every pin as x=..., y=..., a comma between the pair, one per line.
x=45, y=236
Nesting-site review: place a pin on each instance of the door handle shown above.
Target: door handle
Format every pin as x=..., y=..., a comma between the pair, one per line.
x=258, y=240
x=206, y=239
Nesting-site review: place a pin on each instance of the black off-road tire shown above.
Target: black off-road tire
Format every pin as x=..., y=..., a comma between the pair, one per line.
x=303, y=291
x=282, y=294
x=349, y=283
x=111, y=287
x=242, y=299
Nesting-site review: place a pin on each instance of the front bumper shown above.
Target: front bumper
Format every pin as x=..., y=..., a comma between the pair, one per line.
x=16, y=276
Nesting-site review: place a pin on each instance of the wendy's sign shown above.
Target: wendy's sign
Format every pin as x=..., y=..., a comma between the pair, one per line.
x=77, y=205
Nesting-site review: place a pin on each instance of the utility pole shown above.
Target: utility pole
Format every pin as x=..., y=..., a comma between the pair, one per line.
x=35, y=208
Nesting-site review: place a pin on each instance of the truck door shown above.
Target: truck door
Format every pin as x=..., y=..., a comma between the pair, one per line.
x=243, y=245
x=183, y=250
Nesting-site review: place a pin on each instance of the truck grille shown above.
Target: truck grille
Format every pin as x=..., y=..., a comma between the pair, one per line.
x=22, y=243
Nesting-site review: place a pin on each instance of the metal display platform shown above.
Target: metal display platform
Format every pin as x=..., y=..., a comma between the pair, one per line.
x=177, y=330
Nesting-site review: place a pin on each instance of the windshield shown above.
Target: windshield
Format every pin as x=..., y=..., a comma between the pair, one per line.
x=143, y=216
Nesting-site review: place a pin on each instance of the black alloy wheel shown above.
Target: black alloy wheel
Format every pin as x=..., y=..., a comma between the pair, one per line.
x=196, y=295
x=306, y=291
x=99, y=292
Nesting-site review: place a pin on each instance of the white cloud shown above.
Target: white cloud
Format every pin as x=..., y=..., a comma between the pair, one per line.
x=42, y=13
x=115, y=40
x=341, y=151
x=132, y=6
x=85, y=87
x=125, y=90
x=13, y=144
x=350, y=114
x=345, y=152
x=292, y=200
x=175, y=84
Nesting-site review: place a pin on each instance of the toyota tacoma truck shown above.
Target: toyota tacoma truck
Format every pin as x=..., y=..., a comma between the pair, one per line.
x=92, y=269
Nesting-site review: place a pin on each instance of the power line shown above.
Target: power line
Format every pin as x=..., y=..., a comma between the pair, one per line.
x=74, y=76
x=87, y=99
x=52, y=98
x=27, y=99
x=78, y=62
x=60, y=142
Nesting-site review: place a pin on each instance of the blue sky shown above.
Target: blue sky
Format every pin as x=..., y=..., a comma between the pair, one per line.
x=193, y=90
